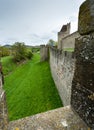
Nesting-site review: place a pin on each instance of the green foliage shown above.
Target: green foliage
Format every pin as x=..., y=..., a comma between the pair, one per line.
x=29, y=54
x=8, y=64
x=35, y=49
x=20, y=52
x=4, y=51
x=30, y=89
x=69, y=49
x=51, y=42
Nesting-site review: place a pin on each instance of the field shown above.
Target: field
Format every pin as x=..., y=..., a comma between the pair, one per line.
x=30, y=89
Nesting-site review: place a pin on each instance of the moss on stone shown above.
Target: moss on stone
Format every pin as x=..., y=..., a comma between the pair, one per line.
x=86, y=20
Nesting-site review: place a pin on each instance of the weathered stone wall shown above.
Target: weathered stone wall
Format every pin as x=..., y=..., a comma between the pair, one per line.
x=44, y=52
x=62, y=68
x=65, y=31
x=83, y=82
x=86, y=17
x=69, y=41
x=65, y=39
x=59, y=119
x=3, y=108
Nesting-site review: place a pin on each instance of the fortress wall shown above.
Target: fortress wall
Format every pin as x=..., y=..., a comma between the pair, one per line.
x=64, y=32
x=69, y=41
x=44, y=52
x=82, y=99
x=3, y=108
x=62, y=69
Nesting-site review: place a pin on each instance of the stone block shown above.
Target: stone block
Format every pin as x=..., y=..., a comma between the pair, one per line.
x=86, y=17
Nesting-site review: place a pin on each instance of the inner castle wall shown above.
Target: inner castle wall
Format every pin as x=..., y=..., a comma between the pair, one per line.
x=65, y=39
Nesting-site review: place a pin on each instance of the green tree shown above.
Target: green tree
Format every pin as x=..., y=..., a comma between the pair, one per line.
x=51, y=42
x=4, y=51
x=19, y=51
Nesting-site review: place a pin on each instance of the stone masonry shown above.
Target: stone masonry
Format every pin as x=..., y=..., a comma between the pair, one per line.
x=82, y=98
x=3, y=108
x=58, y=119
x=64, y=32
x=62, y=66
x=65, y=39
x=44, y=52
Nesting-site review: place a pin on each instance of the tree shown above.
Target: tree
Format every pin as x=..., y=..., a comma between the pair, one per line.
x=51, y=42
x=19, y=51
x=4, y=51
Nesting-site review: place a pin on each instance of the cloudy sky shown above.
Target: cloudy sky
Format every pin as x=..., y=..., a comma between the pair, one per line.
x=35, y=21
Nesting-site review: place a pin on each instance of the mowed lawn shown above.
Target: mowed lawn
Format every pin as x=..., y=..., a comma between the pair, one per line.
x=30, y=89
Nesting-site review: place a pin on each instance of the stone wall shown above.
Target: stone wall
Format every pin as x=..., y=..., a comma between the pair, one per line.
x=82, y=99
x=62, y=69
x=44, y=52
x=69, y=41
x=65, y=31
x=65, y=39
x=59, y=119
x=3, y=108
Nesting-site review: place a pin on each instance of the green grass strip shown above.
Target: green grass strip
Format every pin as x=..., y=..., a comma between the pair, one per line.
x=30, y=89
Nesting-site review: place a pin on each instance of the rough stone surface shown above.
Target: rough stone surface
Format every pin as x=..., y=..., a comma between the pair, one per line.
x=86, y=17
x=65, y=39
x=65, y=31
x=69, y=41
x=3, y=108
x=83, y=81
x=44, y=53
x=62, y=69
x=59, y=119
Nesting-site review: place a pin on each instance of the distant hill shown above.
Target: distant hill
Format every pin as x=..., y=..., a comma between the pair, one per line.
x=33, y=46
x=7, y=46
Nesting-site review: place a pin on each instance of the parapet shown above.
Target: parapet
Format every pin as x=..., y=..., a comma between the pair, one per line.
x=59, y=119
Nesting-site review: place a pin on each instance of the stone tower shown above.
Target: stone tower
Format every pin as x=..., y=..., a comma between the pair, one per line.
x=3, y=108
x=65, y=31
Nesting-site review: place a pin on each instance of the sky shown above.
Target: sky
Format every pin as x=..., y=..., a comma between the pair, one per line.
x=34, y=22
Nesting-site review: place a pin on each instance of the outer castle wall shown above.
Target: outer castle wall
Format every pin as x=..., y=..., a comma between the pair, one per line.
x=62, y=69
